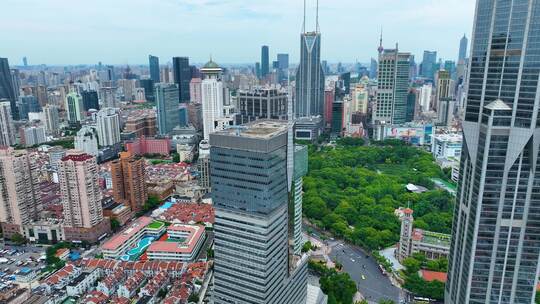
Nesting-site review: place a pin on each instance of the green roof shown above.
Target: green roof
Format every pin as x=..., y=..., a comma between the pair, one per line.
x=211, y=65
x=156, y=225
x=435, y=238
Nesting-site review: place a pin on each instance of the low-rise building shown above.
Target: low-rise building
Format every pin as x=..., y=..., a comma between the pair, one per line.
x=152, y=288
x=447, y=145
x=127, y=238
x=129, y=288
x=109, y=284
x=82, y=283
x=117, y=211
x=183, y=244
x=433, y=245
x=61, y=278
x=26, y=275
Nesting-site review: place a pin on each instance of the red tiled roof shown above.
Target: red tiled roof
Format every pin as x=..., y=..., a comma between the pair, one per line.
x=61, y=274
x=96, y=297
x=77, y=157
x=408, y=211
x=120, y=300
x=429, y=275
x=186, y=213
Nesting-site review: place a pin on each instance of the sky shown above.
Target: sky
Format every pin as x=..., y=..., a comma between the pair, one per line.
x=231, y=31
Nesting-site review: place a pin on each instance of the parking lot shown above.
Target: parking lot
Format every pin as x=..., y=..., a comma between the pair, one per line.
x=15, y=258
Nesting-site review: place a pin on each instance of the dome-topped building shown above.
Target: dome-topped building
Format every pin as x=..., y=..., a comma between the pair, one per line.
x=211, y=69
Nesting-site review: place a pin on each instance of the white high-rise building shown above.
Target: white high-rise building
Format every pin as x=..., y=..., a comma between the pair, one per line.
x=212, y=97
x=108, y=127
x=34, y=135
x=87, y=140
x=7, y=131
x=51, y=119
x=79, y=188
x=20, y=200
x=425, y=97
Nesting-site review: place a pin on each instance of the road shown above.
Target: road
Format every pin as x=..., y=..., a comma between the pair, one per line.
x=372, y=284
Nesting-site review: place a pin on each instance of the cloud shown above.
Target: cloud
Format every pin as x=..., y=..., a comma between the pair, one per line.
x=64, y=31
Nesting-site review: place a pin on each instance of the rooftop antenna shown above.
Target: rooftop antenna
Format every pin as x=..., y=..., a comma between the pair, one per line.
x=304, y=22
x=317, y=18
x=381, y=48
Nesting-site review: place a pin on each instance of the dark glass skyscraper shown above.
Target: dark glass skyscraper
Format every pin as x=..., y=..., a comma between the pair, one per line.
x=153, y=62
x=463, y=48
x=90, y=100
x=283, y=61
x=265, y=61
x=495, y=251
x=148, y=85
x=182, y=77
x=168, y=114
x=428, y=64
x=309, y=77
x=7, y=90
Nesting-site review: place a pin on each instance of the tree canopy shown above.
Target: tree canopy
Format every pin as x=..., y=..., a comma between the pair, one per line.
x=352, y=190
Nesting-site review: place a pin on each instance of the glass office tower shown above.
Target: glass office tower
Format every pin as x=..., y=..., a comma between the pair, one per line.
x=258, y=221
x=494, y=255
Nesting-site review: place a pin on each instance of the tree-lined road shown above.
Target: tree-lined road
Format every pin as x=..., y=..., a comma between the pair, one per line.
x=364, y=270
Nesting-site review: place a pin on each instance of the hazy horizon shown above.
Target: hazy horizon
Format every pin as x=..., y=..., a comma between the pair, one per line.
x=61, y=32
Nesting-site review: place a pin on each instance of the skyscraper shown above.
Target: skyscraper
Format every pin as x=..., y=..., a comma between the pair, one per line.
x=74, y=107
x=426, y=92
x=33, y=135
x=108, y=127
x=265, y=61
x=195, y=87
x=495, y=245
x=51, y=119
x=373, y=69
x=153, y=63
x=182, y=77
x=283, y=61
x=128, y=181
x=79, y=188
x=148, y=86
x=108, y=97
x=7, y=89
x=310, y=75
x=392, y=87
x=254, y=228
x=429, y=60
x=86, y=140
x=463, y=48
x=27, y=104
x=283, y=66
x=211, y=97
x=7, y=130
x=258, y=69
x=168, y=115
x=20, y=200
x=90, y=100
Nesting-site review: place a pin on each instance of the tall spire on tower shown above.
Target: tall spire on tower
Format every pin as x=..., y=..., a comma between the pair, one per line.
x=317, y=18
x=381, y=48
x=304, y=22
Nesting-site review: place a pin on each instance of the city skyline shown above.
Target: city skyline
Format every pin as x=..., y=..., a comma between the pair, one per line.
x=156, y=28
